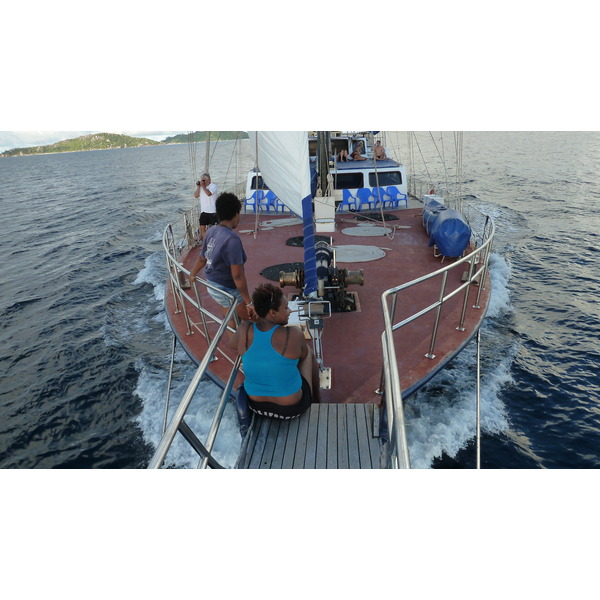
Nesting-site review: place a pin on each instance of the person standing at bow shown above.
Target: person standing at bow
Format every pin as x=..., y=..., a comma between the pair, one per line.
x=223, y=256
x=207, y=192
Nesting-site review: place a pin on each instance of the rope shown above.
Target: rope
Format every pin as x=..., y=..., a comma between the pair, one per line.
x=256, y=170
x=385, y=229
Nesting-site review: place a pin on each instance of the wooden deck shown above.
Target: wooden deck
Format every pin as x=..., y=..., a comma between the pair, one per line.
x=328, y=436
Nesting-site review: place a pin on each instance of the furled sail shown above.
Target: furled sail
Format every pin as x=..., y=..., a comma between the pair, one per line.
x=283, y=161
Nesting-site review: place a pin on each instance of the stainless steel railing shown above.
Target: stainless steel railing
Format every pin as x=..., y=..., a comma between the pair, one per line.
x=185, y=298
x=478, y=261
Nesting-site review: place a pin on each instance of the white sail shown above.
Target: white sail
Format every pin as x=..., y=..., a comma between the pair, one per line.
x=284, y=165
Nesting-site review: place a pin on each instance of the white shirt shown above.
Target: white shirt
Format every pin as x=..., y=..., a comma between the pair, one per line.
x=207, y=203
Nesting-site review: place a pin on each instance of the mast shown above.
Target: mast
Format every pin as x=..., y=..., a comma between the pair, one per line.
x=207, y=153
x=323, y=152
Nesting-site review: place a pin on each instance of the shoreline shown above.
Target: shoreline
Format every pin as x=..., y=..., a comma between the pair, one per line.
x=90, y=150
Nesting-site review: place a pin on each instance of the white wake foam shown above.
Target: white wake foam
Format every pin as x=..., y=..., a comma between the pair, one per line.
x=441, y=417
x=154, y=274
x=152, y=389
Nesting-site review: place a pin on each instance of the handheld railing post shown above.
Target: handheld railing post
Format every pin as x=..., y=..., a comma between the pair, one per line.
x=393, y=395
x=202, y=316
x=212, y=434
x=461, y=325
x=430, y=354
x=171, y=268
x=483, y=271
x=478, y=405
x=167, y=439
x=189, y=234
x=164, y=425
x=185, y=313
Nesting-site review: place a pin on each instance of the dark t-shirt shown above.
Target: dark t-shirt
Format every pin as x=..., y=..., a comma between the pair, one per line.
x=222, y=248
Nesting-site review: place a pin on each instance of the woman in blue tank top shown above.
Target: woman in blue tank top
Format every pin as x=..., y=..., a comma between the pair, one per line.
x=281, y=373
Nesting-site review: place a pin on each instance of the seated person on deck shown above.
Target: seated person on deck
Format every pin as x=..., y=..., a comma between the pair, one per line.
x=356, y=155
x=342, y=156
x=281, y=373
x=379, y=151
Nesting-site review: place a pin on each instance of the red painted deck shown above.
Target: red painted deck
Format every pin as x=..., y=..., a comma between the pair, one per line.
x=352, y=341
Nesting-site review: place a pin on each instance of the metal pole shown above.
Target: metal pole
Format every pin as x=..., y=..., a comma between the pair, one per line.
x=461, y=325
x=431, y=355
x=207, y=153
x=164, y=425
x=478, y=405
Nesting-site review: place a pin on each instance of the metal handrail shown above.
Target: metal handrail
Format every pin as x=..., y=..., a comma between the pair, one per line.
x=175, y=268
x=169, y=435
x=399, y=454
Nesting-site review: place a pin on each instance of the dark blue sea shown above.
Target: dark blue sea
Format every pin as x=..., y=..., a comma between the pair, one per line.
x=85, y=345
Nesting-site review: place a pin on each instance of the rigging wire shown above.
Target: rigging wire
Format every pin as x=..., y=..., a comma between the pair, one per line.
x=192, y=155
x=424, y=161
x=391, y=237
x=458, y=144
x=446, y=176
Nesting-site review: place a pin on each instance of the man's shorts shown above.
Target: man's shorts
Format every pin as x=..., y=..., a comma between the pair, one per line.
x=223, y=300
x=208, y=219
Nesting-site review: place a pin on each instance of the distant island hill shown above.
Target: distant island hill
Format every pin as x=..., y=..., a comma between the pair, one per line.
x=109, y=141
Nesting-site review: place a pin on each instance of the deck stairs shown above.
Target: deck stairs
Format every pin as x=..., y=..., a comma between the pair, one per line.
x=328, y=436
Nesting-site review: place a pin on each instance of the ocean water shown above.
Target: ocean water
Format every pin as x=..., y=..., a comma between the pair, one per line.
x=85, y=346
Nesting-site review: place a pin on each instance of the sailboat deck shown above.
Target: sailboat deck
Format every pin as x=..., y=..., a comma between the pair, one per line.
x=351, y=341
x=328, y=436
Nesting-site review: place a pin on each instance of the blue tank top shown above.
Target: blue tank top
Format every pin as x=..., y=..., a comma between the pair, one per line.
x=267, y=372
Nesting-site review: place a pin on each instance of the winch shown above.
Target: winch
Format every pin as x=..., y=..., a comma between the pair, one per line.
x=332, y=282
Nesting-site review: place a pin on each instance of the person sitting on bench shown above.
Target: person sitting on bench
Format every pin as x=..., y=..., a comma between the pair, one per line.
x=281, y=373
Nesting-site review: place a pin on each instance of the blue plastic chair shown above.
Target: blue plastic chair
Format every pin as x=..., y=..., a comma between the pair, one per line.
x=253, y=200
x=365, y=196
x=379, y=194
x=271, y=200
x=264, y=201
x=349, y=202
x=396, y=196
x=280, y=205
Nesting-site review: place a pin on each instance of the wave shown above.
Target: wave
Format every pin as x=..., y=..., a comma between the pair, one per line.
x=441, y=417
x=153, y=372
x=154, y=274
x=152, y=389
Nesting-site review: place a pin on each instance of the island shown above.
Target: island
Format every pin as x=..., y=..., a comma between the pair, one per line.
x=110, y=141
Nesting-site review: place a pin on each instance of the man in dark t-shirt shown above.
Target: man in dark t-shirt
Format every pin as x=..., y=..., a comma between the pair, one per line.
x=224, y=257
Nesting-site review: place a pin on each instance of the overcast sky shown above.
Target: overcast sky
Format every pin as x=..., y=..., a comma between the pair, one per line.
x=447, y=73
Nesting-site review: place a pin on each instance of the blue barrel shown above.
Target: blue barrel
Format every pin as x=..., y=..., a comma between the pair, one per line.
x=447, y=228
